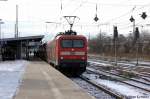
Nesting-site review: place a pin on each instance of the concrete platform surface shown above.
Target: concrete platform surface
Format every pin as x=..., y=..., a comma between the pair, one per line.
x=41, y=81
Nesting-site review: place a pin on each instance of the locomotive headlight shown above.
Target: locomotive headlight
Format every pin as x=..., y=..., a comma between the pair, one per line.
x=61, y=57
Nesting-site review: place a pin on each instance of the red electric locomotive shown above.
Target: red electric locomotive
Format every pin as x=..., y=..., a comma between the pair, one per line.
x=68, y=52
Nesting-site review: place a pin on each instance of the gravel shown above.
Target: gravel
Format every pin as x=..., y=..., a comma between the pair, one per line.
x=98, y=94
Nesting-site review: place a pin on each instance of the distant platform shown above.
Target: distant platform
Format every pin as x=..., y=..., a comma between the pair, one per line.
x=20, y=47
x=41, y=81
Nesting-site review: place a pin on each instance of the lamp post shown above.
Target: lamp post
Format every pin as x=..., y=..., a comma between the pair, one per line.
x=1, y=37
x=47, y=22
x=1, y=22
x=46, y=27
x=0, y=27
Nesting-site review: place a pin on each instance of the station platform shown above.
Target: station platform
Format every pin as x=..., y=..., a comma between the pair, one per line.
x=42, y=81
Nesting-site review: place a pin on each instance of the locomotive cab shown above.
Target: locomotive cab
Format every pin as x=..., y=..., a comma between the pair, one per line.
x=72, y=53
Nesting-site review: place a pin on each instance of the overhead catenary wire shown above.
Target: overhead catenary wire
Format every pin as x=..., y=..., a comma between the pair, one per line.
x=85, y=1
x=129, y=26
x=125, y=14
x=110, y=4
x=79, y=6
x=117, y=18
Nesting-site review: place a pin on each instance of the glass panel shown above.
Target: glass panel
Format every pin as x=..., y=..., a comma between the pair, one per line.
x=66, y=43
x=78, y=43
x=72, y=43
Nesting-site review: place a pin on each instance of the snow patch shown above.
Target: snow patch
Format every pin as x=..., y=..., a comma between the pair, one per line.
x=98, y=63
x=10, y=76
x=123, y=89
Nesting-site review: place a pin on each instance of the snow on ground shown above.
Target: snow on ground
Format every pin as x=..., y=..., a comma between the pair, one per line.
x=98, y=63
x=10, y=76
x=123, y=63
x=124, y=89
x=98, y=94
x=142, y=63
x=138, y=84
x=126, y=64
x=104, y=63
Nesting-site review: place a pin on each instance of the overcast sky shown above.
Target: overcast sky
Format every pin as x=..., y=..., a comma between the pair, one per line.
x=34, y=13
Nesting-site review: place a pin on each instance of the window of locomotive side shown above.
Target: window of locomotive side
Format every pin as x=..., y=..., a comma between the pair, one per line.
x=66, y=43
x=72, y=43
x=78, y=43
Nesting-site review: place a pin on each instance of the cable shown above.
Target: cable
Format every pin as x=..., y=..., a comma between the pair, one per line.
x=81, y=4
x=130, y=26
x=127, y=13
x=112, y=4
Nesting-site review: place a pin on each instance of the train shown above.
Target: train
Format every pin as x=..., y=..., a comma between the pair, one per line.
x=66, y=52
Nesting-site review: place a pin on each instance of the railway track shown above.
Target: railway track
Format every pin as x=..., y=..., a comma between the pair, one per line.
x=148, y=74
x=146, y=79
x=131, y=79
x=118, y=79
x=126, y=77
x=122, y=60
x=132, y=62
x=143, y=76
x=106, y=90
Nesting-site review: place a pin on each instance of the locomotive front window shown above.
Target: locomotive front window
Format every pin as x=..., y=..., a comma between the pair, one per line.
x=66, y=43
x=78, y=43
x=72, y=43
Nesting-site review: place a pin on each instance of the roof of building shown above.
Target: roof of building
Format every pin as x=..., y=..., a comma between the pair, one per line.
x=23, y=38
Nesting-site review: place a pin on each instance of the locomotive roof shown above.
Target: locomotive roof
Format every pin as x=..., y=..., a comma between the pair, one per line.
x=65, y=36
x=62, y=36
